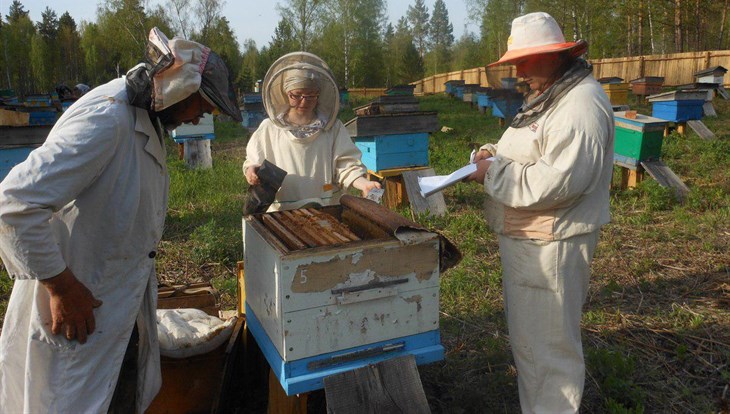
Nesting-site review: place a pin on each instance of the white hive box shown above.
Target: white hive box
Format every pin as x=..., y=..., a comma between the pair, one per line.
x=204, y=129
x=319, y=310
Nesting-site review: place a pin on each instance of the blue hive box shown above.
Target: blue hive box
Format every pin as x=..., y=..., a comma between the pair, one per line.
x=10, y=157
x=43, y=118
x=678, y=111
x=382, y=152
x=506, y=106
x=252, y=119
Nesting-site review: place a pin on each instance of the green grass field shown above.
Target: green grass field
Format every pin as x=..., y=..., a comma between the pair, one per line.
x=657, y=321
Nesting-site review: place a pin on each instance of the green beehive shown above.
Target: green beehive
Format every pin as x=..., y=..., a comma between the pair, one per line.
x=637, y=139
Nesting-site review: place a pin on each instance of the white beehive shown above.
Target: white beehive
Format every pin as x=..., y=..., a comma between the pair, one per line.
x=350, y=290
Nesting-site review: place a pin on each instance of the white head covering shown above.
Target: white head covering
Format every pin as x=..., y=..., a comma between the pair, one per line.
x=300, y=79
x=300, y=70
x=188, y=67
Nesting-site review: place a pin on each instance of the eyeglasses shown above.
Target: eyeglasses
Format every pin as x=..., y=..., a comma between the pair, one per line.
x=298, y=97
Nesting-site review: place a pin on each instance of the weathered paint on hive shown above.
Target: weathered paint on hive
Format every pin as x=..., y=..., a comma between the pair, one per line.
x=379, y=263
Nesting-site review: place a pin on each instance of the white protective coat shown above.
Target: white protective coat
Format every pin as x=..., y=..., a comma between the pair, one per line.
x=318, y=167
x=92, y=198
x=548, y=197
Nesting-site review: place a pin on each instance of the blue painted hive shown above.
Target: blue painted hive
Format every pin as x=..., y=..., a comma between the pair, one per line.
x=679, y=105
x=678, y=111
x=506, y=104
x=326, y=292
x=382, y=152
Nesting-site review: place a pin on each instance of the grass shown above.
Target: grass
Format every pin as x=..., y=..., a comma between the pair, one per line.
x=656, y=327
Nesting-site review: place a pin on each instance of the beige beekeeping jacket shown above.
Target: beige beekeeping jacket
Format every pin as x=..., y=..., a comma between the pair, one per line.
x=551, y=179
x=92, y=198
x=318, y=167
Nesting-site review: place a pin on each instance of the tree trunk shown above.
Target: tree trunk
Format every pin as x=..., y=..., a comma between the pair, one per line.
x=640, y=28
x=651, y=26
x=678, y=26
x=722, y=26
x=197, y=154
x=698, y=26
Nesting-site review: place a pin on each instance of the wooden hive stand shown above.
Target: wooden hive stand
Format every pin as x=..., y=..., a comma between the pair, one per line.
x=395, y=188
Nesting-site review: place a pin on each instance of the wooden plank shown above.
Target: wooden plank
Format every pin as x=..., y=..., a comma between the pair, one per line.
x=288, y=220
x=321, y=233
x=434, y=205
x=390, y=386
x=338, y=228
x=701, y=129
x=280, y=403
x=29, y=135
x=708, y=109
x=722, y=92
x=666, y=177
x=407, y=122
x=291, y=241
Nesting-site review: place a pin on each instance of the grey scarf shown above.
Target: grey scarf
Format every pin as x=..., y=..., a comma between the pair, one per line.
x=535, y=106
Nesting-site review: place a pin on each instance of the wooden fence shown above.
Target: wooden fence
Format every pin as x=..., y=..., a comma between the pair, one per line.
x=677, y=69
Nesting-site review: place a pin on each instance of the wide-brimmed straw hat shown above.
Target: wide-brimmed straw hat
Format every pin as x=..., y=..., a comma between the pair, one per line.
x=535, y=34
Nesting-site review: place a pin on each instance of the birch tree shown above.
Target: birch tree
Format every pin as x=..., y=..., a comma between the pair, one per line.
x=304, y=17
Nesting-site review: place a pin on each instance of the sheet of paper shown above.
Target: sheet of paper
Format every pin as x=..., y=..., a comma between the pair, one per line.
x=433, y=184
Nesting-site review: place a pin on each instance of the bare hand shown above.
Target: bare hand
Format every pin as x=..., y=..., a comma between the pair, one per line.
x=482, y=155
x=251, y=176
x=481, y=172
x=369, y=186
x=72, y=306
x=365, y=185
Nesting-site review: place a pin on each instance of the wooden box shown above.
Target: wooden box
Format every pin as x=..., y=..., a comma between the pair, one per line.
x=328, y=290
x=637, y=139
x=388, y=105
x=648, y=85
x=395, y=123
x=400, y=90
x=618, y=93
x=382, y=152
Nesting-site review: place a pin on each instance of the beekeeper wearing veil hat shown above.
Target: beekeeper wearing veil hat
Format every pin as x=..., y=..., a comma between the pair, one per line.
x=547, y=181
x=80, y=220
x=304, y=137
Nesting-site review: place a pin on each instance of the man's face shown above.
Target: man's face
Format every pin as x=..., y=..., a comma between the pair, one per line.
x=539, y=71
x=189, y=110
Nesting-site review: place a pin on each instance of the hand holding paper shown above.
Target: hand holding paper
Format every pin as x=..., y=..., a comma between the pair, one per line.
x=431, y=185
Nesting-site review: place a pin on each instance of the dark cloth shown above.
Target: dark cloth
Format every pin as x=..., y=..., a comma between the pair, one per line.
x=124, y=400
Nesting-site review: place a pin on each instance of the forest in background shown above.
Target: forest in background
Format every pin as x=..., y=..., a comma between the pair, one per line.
x=353, y=36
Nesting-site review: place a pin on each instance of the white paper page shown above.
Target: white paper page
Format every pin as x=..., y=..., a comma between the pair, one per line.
x=433, y=184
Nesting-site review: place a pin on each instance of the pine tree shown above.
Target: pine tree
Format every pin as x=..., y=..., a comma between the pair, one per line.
x=418, y=20
x=441, y=38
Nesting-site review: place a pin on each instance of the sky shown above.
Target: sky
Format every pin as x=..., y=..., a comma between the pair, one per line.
x=250, y=19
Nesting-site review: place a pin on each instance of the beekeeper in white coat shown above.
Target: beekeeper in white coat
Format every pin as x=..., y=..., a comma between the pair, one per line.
x=304, y=137
x=80, y=220
x=548, y=196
